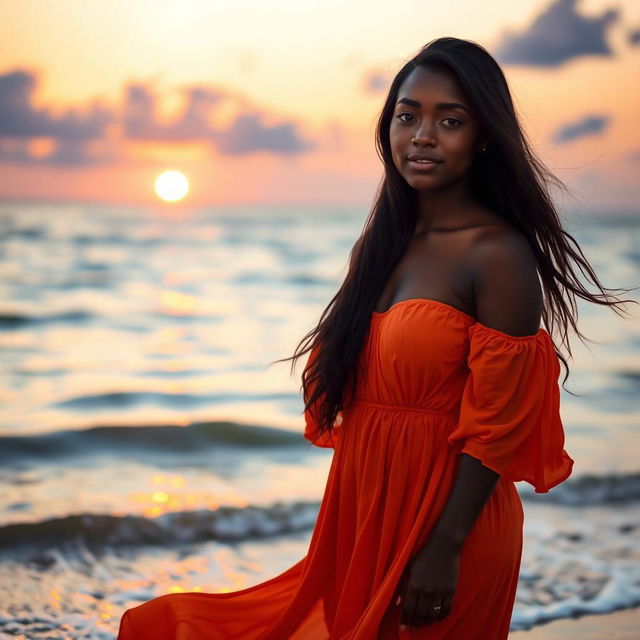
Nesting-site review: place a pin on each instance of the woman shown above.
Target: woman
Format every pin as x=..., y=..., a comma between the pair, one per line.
x=432, y=379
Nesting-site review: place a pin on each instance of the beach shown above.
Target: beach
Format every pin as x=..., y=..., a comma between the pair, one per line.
x=619, y=625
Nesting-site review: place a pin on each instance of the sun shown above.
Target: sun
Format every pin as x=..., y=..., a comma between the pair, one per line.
x=171, y=186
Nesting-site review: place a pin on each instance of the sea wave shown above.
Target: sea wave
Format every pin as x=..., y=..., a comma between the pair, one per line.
x=590, y=489
x=228, y=524
x=60, y=445
x=15, y=320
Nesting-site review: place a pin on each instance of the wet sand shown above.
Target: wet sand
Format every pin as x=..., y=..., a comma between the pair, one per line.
x=619, y=625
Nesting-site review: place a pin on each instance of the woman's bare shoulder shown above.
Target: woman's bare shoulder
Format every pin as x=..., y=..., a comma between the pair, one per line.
x=486, y=231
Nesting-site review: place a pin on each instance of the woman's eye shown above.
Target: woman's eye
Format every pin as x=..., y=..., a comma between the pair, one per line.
x=455, y=121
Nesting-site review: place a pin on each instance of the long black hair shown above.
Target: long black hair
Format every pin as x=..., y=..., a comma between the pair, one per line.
x=509, y=180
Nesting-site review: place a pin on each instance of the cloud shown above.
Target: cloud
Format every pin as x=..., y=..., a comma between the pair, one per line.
x=376, y=82
x=140, y=120
x=245, y=134
x=18, y=117
x=21, y=124
x=85, y=137
x=63, y=152
x=16, y=151
x=589, y=125
x=634, y=37
x=557, y=35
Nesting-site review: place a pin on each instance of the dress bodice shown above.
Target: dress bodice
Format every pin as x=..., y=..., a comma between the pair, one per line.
x=499, y=392
x=416, y=355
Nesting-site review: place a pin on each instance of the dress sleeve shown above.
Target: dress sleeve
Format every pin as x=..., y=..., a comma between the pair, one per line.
x=311, y=427
x=510, y=408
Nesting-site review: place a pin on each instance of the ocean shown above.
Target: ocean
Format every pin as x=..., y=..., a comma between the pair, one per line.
x=148, y=445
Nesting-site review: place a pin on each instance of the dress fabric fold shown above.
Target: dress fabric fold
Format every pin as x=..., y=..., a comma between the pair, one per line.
x=436, y=384
x=510, y=409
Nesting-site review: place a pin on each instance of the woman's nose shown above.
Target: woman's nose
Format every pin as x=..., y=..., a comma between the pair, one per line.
x=425, y=134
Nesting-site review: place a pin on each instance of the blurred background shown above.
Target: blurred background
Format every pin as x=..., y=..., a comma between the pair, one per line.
x=180, y=186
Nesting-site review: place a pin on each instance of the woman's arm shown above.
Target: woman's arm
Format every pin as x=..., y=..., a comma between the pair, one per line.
x=508, y=297
x=472, y=487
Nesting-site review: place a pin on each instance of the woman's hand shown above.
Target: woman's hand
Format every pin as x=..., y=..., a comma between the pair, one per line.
x=430, y=580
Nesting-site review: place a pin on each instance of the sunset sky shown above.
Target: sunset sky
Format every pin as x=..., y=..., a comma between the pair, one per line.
x=276, y=101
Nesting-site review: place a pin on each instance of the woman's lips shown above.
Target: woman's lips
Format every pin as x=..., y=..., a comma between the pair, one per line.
x=423, y=165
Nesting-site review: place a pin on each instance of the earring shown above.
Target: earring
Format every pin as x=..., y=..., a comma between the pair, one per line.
x=483, y=148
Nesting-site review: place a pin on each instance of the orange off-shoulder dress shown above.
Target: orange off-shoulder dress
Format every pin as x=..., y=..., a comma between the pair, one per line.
x=436, y=383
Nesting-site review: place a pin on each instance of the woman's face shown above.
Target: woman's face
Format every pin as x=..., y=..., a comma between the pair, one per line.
x=432, y=118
